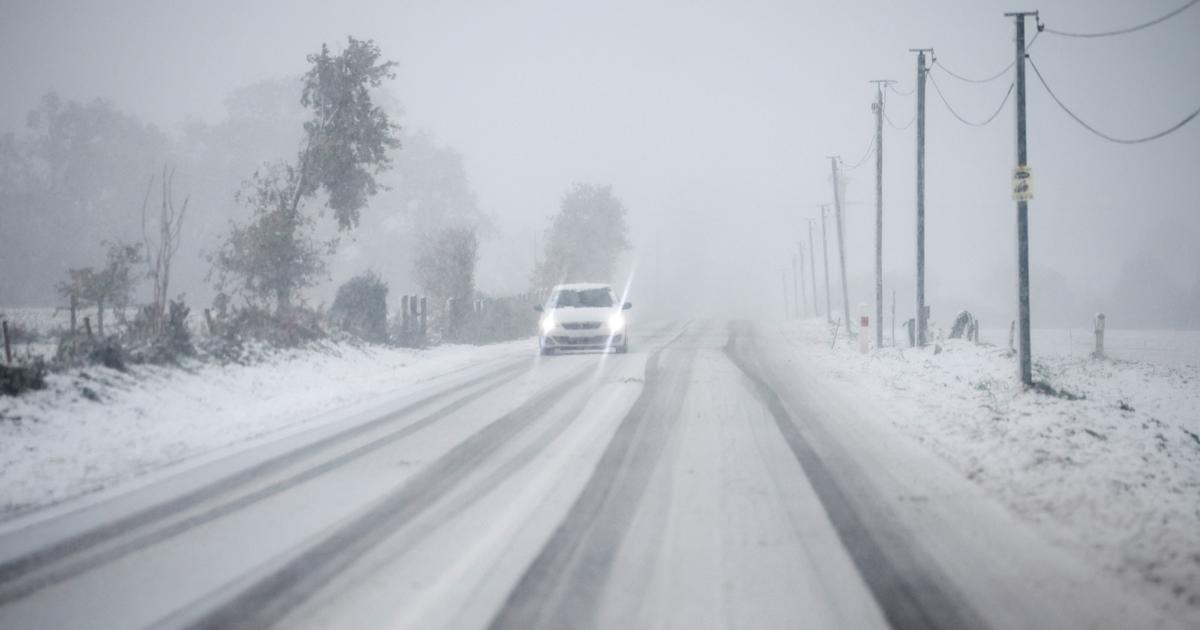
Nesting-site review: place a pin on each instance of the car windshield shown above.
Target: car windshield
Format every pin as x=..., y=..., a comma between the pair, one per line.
x=586, y=298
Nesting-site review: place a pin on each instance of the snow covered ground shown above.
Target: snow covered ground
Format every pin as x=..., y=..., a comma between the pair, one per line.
x=95, y=427
x=1110, y=467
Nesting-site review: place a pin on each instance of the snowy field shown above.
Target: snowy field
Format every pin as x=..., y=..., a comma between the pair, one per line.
x=1166, y=347
x=1110, y=468
x=95, y=427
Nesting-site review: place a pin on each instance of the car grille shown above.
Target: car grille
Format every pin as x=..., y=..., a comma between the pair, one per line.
x=583, y=341
x=581, y=325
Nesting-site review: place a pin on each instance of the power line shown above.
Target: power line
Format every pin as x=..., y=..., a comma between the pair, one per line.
x=1130, y=29
x=1092, y=129
x=892, y=87
x=889, y=120
x=993, y=77
x=898, y=128
x=866, y=156
x=938, y=89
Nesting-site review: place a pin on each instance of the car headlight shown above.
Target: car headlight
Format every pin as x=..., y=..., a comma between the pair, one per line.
x=548, y=324
x=616, y=322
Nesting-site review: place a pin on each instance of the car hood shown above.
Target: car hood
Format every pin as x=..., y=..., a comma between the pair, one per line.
x=582, y=314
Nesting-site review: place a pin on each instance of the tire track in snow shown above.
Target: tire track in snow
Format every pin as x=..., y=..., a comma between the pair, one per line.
x=265, y=599
x=31, y=572
x=912, y=594
x=564, y=584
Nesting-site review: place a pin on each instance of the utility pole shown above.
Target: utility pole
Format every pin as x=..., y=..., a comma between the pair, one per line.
x=922, y=321
x=837, y=207
x=825, y=255
x=803, y=282
x=812, y=270
x=879, y=85
x=1022, y=196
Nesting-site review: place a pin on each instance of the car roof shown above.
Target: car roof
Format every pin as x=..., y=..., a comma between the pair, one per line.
x=582, y=286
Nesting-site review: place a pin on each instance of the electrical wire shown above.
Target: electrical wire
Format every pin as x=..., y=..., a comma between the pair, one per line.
x=908, y=93
x=960, y=77
x=938, y=89
x=1130, y=29
x=866, y=156
x=898, y=128
x=993, y=77
x=1187, y=119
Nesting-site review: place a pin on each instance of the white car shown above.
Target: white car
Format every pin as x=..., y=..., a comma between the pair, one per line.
x=583, y=316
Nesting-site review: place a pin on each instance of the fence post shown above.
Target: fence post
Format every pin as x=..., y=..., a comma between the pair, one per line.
x=424, y=318
x=451, y=318
x=910, y=326
x=7, y=343
x=212, y=330
x=404, y=317
x=1098, y=322
x=87, y=326
x=74, y=309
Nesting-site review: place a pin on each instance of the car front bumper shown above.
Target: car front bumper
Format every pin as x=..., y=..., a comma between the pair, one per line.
x=591, y=341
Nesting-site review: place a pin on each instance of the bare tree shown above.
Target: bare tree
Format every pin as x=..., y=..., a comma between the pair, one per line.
x=160, y=253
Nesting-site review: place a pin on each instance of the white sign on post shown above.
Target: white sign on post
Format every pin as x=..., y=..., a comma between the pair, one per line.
x=1022, y=184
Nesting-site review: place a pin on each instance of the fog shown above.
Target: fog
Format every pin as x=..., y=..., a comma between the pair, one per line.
x=712, y=121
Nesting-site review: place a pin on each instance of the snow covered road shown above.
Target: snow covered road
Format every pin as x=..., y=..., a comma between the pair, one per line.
x=708, y=479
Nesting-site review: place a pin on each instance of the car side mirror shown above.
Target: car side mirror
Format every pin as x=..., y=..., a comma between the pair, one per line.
x=537, y=307
x=626, y=306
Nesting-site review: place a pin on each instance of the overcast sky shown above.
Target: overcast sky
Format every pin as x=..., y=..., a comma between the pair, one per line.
x=712, y=120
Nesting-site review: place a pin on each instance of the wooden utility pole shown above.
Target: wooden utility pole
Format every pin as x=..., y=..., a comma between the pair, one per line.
x=812, y=270
x=795, y=289
x=837, y=207
x=1022, y=196
x=922, y=320
x=825, y=255
x=880, y=84
x=803, y=281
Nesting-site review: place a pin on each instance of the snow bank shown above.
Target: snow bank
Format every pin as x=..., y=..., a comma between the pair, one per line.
x=95, y=427
x=1110, y=465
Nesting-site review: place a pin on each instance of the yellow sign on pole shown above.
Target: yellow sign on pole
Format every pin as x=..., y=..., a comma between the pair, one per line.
x=1022, y=184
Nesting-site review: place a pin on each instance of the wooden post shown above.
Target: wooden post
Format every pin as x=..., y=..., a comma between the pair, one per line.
x=87, y=326
x=404, y=316
x=212, y=330
x=7, y=343
x=74, y=309
x=1098, y=322
x=424, y=318
x=1012, y=331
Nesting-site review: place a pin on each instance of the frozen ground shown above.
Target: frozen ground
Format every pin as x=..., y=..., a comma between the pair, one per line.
x=1111, y=467
x=96, y=427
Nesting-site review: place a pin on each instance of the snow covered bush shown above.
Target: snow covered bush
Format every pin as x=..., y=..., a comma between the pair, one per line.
x=15, y=379
x=360, y=307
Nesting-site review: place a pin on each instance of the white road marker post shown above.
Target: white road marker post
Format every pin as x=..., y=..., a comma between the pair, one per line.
x=1098, y=320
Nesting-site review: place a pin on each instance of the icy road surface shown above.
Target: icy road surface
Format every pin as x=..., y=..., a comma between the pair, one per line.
x=701, y=481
